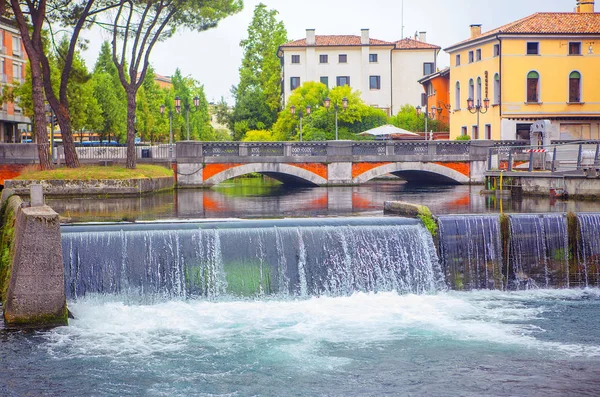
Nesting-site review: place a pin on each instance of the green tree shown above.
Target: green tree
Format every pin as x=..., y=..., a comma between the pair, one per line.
x=320, y=124
x=258, y=95
x=408, y=119
x=138, y=26
x=187, y=88
x=258, y=136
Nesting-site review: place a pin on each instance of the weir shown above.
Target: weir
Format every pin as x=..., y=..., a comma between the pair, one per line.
x=471, y=251
x=539, y=250
x=588, y=254
x=300, y=257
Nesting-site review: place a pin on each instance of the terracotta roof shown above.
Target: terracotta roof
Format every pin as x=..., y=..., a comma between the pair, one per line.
x=412, y=44
x=335, y=40
x=547, y=23
x=441, y=73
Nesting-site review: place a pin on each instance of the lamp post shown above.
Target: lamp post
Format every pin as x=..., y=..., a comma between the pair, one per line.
x=187, y=114
x=293, y=111
x=426, y=117
x=162, y=111
x=51, y=117
x=336, y=107
x=478, y=108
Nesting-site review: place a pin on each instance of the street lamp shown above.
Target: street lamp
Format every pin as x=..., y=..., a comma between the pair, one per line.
x=426, y=116
x=477, y=108
x=293, y=111
x=336, y=107
x=162, y=112
x=187, y=114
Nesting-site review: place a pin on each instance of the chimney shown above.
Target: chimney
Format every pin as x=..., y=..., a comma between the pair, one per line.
x=475, y=31
x=585, y=6
x=423, y=37
x=364, y=37
x=310, y=37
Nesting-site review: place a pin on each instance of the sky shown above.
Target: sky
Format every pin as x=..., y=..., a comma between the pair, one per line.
x=213, y=57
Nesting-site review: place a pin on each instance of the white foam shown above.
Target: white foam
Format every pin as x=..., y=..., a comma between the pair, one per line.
x=298, y=327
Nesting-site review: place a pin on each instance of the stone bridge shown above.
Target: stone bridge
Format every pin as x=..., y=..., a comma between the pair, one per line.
x=203, y=164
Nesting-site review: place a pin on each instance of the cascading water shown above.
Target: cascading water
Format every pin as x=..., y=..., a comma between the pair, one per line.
x=250, y=258
x=471, y=251
x=588, y=270
x=539, y=251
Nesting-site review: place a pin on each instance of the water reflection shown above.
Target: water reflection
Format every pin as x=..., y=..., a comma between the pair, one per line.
x=257, y=200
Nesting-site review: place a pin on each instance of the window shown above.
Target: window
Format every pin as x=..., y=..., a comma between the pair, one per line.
x=3, y=71
x=373, y=58
x=471, y=89
x=457, y=96
x=295, y=58
x=343, y=58
x=574, y=48
x=470, y=56
x=342, y=80
x=294, y=83
x=429, y=89
x=479, y=97
x=475, y=132
x=497, y=89
x=323, y=58
x=575, y=87
x=533, y=48
x=17, y=72
x=478, y=55
x=374, y=82
x=496, y=50
x=324, y=80
x=458, y=60
x=427, y=68
x=463, y=130
x=533, y=87
x=16, y=42
x=488, y=131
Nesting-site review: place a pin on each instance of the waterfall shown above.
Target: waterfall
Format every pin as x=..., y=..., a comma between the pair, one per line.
x=588, y=270
x=471, y=251
x=539, y=250
x=251, y=258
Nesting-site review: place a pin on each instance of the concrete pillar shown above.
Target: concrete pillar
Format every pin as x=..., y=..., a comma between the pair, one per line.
x=36, y=293
x=339, y=173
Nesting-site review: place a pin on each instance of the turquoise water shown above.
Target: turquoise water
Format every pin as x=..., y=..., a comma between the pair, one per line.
x=481, y=343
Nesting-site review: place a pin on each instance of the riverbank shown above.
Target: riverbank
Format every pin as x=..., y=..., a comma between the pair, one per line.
x=95, y=181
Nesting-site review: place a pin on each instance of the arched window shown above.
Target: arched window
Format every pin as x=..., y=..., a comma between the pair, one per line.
x=457, y=96
x=497, y=89
x=471, y=89
x=479, y=98
x=575, y=87
x=533, y=87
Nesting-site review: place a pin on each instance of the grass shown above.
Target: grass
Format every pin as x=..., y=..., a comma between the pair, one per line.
x=87, y=173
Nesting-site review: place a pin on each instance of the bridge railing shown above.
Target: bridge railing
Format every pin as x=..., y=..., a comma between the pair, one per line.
x=333, y=149
x=563, y=157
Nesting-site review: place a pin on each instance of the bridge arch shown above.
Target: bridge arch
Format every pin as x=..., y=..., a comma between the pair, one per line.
x=285, y=173
x=415, y=172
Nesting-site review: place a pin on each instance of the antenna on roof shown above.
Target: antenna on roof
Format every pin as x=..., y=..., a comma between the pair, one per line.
x=402, y=22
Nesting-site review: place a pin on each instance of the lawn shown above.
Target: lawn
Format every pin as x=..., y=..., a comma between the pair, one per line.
x=86, y=173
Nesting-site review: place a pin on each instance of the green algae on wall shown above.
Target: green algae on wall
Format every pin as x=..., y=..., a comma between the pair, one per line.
x=8, y=218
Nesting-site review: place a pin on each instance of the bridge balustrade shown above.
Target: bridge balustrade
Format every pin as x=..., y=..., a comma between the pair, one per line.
x=264, y=149
x=453, y=148
x=411, y=149
x=309, y=149
x=368, y=149
x=221, y=149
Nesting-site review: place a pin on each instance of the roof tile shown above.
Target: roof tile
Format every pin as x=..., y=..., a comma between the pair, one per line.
x=547, y=23
x=335, y=40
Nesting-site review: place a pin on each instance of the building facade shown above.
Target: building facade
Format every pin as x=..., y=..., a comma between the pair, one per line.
x=542, y=67
x=14, y=126
x=385, y=73
x=436, y=88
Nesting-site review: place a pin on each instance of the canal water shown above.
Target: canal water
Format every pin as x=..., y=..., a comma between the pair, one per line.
x=324, y=305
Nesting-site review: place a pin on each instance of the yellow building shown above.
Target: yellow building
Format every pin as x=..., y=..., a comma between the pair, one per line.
x=542, y=67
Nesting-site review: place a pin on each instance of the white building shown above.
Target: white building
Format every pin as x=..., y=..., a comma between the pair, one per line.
x=386, y=73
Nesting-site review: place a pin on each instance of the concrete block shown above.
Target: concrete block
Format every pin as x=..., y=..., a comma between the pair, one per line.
x=190, y=174
x=36, y=195
x=339, y=173
x=401, y=208
x=36, y=293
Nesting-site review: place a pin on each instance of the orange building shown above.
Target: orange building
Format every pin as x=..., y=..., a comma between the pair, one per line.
x=13, y=59
x=437, y=92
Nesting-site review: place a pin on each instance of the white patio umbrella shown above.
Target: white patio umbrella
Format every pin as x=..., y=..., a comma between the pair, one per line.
x=388, y=131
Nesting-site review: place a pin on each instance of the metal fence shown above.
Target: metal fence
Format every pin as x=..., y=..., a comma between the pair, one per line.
x=574, y=156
